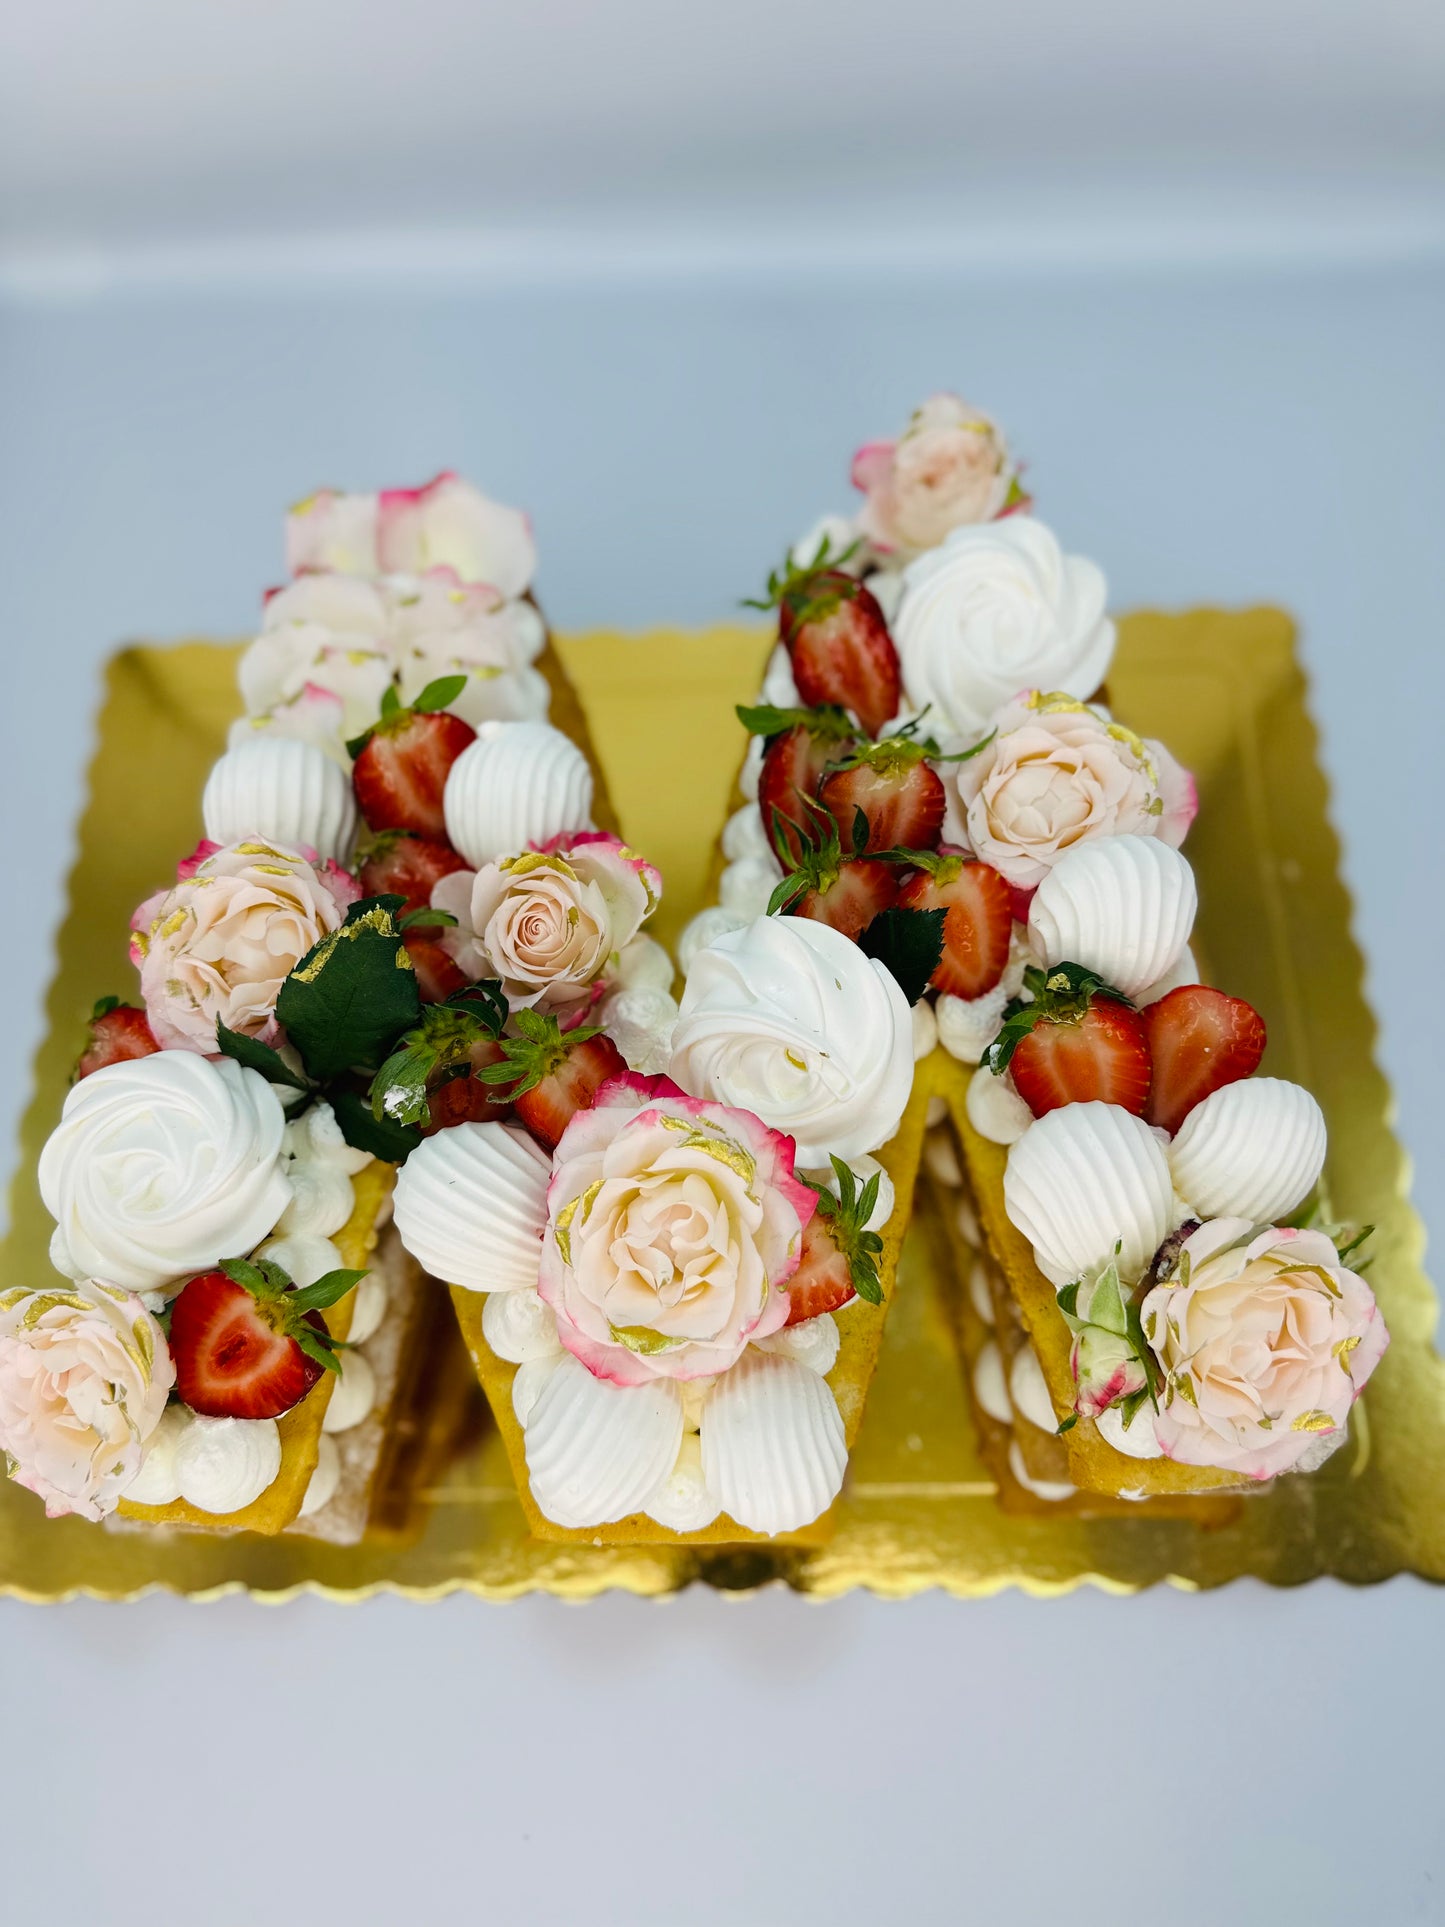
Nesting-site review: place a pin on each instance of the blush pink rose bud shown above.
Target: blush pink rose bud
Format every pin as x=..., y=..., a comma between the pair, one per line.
x=1106, y=1365
x=950, y=466
x=549, y=923
x=1058, y=772
x=1265, y=1339
x=220, y=944
x=84, y=1374
x=673, y=1226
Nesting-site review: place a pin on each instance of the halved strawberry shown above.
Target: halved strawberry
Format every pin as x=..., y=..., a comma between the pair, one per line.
x=977, y=925
x=403, y=759
x=840, y=1255
x=550, y=1074
x=247, y=1343
x=118, y=1032
x=438, y=975
x=1199, y=1040
x=403, y=863
x=898, y=791
x=1078, y=1042
x=846, y=891
x=838, y=641
x=801, y=743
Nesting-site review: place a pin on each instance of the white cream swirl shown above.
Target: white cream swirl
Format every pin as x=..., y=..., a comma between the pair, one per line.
x=788, y=1019
x=999, y=608
x=160, y=1167
x=224, y=1464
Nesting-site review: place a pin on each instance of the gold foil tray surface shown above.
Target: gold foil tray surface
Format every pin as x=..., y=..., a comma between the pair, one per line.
x=1224, y=690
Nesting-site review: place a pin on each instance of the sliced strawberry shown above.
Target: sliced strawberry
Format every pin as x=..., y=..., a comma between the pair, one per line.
x=402, y=863
x=851, y=896
x=840, y=1254
x=1199, y=1040
x=900, y=794
x=438, y=975
x=837, y=639
x=402, y=761
x=1078, y=1042
x=247, y=1344
x=977, y=925
x=550, y=1074
x=801, y=744
x=117, y=1032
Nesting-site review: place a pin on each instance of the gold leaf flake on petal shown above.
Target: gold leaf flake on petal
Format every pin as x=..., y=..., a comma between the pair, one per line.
x=1313, y=1422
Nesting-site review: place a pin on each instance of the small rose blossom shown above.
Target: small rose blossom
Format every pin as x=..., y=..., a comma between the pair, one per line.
x=1105, y=1365
x=949, y=467
x=84, y=1373
x=1265, y=1339
x=549, y=922
x=450, y=524
x=220, y=944
x=673, y=1225
x=1057, y=773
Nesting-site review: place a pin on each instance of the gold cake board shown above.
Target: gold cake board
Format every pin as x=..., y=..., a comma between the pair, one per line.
x=919, y=1510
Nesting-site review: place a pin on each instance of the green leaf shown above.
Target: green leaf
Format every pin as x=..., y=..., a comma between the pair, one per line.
x=866, y=1284
x=103, y=1007
x=347, y=1001
x=359, y=911
x=425, y=918
x=252, y=1277
x=260, y=1057
x=316, y=1346
x=908, y=943
x=1067, y=1424
x=325, y=1292
x=393, y=1143
x=860, y=834
x=1106, y=1305
x=766, y=719
x=399, y=1089
x=438, y=694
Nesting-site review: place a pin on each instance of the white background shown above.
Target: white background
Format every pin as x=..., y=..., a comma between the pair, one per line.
x=654, y=270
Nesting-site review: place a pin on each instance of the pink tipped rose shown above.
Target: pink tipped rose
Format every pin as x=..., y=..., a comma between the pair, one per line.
x=1266, y=1341
x=1057, y=773
x=84, y=1373
x=448, y=524
x=220, y=944
x=949, y=467
x=550, y=922
x=673, y=1226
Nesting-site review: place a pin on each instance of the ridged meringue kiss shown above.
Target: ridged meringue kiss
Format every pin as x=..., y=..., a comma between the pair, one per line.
x=471, y=1205
x=518, y=784
x=1083, y=1178
x=773, y=1451
x=284, y=791
x=1121, y=905
x=1254, y=1149
x=598, y=1451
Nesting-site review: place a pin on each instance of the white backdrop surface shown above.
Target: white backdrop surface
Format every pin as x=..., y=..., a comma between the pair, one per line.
x=1251, y=1756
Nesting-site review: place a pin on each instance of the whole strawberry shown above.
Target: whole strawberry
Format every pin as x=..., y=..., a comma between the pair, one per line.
x=402, y=761
x=118, y=1032
x=550, y=1074
x=247, y=1343
x=837, y=639
x=1078, y=1042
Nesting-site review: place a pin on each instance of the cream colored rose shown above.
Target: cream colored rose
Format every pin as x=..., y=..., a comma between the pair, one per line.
x=220, y=944
x=551, y=922
x=949, y=467
x=1265, y=1339
x=1057, y=773
x=672, y=1228
x=84, y=1373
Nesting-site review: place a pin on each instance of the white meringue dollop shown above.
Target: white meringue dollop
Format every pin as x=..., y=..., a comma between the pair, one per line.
x=995, y=1109
x=683, y=1502
x=285, y=791
x=788, y=1019
x=224, y=1464
x=773, y=1449
x=471, y=1206
x=990, y=1387
x=1121, y=905
x=520, y=1326
x=1252, y=1149
x=1084, y=1178
x=353, y=1396
x=517, y=785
